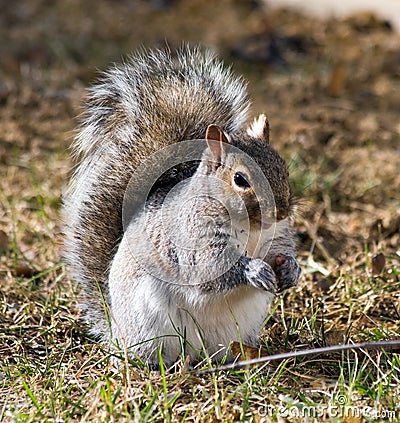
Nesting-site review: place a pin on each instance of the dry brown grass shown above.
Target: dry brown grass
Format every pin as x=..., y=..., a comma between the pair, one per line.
x=334, y=111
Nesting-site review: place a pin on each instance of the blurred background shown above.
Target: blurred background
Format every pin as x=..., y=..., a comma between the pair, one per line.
x=328, y=80
x=387, y=9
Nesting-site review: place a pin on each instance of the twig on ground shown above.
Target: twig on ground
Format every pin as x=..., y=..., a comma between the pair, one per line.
x=384, y=345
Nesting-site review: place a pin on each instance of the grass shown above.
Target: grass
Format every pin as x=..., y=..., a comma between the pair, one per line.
x=344, y=161
x=51, y=371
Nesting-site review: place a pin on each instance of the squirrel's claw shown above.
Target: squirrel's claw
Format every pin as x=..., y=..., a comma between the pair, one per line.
x=261, y=275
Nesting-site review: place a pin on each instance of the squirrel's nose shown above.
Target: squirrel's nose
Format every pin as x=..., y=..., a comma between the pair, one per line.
x=281, y=213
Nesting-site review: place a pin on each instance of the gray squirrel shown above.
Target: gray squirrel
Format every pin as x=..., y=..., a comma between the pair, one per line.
x=196, y=262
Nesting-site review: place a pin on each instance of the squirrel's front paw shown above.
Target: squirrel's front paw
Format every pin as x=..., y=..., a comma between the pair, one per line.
x=287, y=271
x=261, y=275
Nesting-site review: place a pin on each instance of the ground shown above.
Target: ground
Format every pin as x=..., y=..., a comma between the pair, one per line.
x=331, y=91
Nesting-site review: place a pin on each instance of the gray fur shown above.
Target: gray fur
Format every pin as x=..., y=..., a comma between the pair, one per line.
x=120, y=118
x=153, y=100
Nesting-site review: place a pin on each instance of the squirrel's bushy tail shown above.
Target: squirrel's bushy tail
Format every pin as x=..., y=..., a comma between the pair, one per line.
x=153, y=100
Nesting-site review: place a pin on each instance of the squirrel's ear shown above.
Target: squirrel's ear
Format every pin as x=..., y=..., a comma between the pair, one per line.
x=215, y=138
x=259, y=128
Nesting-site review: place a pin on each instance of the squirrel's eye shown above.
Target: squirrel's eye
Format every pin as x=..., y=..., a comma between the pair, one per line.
x=240, y=180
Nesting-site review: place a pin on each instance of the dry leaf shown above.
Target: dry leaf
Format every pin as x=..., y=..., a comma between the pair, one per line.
x=337, y=81
x=4, y=242
x=24, y=270
x=323, y=284
x=378, y=263
x=244, y=352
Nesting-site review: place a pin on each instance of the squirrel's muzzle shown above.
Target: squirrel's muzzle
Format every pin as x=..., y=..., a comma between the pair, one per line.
x=281, y=213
